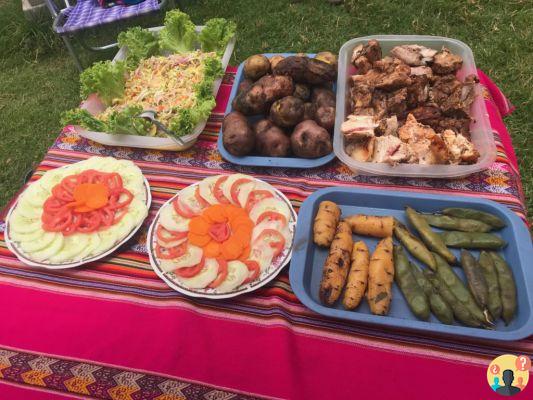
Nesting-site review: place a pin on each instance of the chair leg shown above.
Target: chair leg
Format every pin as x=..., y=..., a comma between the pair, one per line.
x=73, y=54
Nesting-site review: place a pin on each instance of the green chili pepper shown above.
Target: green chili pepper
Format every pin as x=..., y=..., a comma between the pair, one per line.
x=471, y=240
x=430, y=238
x=437, y=304
x=456, y=224
x=414, y=295
x=413, y=245
x=491, y=277
x=507, y=287
x=460, y=312
x=482, y=216
x=458, y=288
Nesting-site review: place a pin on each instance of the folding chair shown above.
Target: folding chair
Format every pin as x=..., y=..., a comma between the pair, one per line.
x=87, y=14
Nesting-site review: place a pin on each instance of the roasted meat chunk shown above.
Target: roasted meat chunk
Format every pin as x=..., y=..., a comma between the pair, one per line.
x=363, y=56
x=361, y=150
x=414, y=54
x=461, y=150
x=389, y=149
x=445, y=62
x=358, y=127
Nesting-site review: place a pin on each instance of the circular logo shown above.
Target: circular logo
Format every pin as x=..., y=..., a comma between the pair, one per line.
x=508, y=374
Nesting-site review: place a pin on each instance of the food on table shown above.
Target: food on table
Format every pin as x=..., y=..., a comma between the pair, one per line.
x=456, y=224
x=459, y=290
x=409, y=107
x=357, y=276
x=291, y=93
x=326, y=221
x=414, y=245
x=371, y=225
x=258, y=98
x=430, y=238
x=238, y=139
x=380, y=277
x=309, y=140
x=79, y=211
x=177, y=86
x=221, y=233
x=488, y=218
x=494, y=302
x=287, y=112
x=337, y=264
x=460, y=311
x=271, y=141
x=475, y=278
x=439, y=307
x=256, y=66
x=414, y=295
x=507, y=287
x=472, y=240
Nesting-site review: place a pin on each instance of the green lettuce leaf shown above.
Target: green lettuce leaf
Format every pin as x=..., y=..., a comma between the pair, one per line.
x=84, y=119
x=187, y=118
x=141, y=44
x=105, y=78
x=178, y=35
x=216, y=34
x=126, y=122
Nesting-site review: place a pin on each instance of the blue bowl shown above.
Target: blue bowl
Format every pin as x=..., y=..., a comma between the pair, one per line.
x=259, y=161
x=308, y=259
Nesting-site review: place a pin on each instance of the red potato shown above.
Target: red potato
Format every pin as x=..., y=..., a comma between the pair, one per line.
x=237, y=136
x=309, y=140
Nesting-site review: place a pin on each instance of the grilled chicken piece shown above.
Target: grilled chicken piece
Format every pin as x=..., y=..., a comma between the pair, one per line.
x=412, y=131
x=387, y=126
x=458, y=125
x=414, y=54
x=453, y=96
x=386, y=103
x=461, y=150
x=427, y=115
x=389, y=149
x=361, y=150
x=418, y=91
x=445, y=62
x=358, y=127
x=364, y=56
x=419, y=71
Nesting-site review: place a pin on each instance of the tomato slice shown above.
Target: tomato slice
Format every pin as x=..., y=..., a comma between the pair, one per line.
x=255, y=196
x=168, y=253
x=203, y=202
x=253, y=267
x=272, y=216
x=90, y=222
x=274, y=239
x=235, y=187
x=217, y=190
x=182, y=210
x=222, y=273
x=189, y=272
x=169, y=236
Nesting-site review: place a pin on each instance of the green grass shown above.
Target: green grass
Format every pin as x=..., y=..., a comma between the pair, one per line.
x=38, y=80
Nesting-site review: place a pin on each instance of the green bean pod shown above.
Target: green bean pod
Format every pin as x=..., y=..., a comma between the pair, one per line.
x=458, y=288
x=414, y=295
x=460, y=312
x=472, y=240
x=439, y=307
x=507, y=287
x=456, y=224
x=482, y=216
x=476, y=281
x=491, y=277
x=430, y=238
x=414, y=245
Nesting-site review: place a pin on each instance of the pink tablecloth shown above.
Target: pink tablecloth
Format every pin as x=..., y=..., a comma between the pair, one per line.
x=114, y=330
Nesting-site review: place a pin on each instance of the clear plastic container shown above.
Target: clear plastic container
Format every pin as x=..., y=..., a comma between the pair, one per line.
x=480, y=128
x=156, y=143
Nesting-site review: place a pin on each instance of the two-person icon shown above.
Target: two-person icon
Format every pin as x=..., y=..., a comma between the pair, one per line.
x=507, y=389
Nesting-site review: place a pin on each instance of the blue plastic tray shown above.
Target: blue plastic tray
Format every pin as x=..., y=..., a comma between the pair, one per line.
x=308, y=259
x=258, y=161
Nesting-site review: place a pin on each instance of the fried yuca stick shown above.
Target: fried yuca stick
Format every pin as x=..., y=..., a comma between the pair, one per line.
x=336, y=265
x=371, y=225
x=380, y=277
x=357, y=276
x=326, y=220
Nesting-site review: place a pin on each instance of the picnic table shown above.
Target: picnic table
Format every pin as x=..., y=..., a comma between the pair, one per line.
x=113, y=330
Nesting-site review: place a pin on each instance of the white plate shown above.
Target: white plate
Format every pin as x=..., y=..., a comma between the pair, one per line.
x=266, y=276
x=13, y=248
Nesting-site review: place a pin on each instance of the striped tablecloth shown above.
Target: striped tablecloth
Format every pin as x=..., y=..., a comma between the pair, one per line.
x=114, y=330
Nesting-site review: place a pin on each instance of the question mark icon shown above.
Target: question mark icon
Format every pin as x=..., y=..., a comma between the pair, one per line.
x=495, y=369
x=523, y=363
